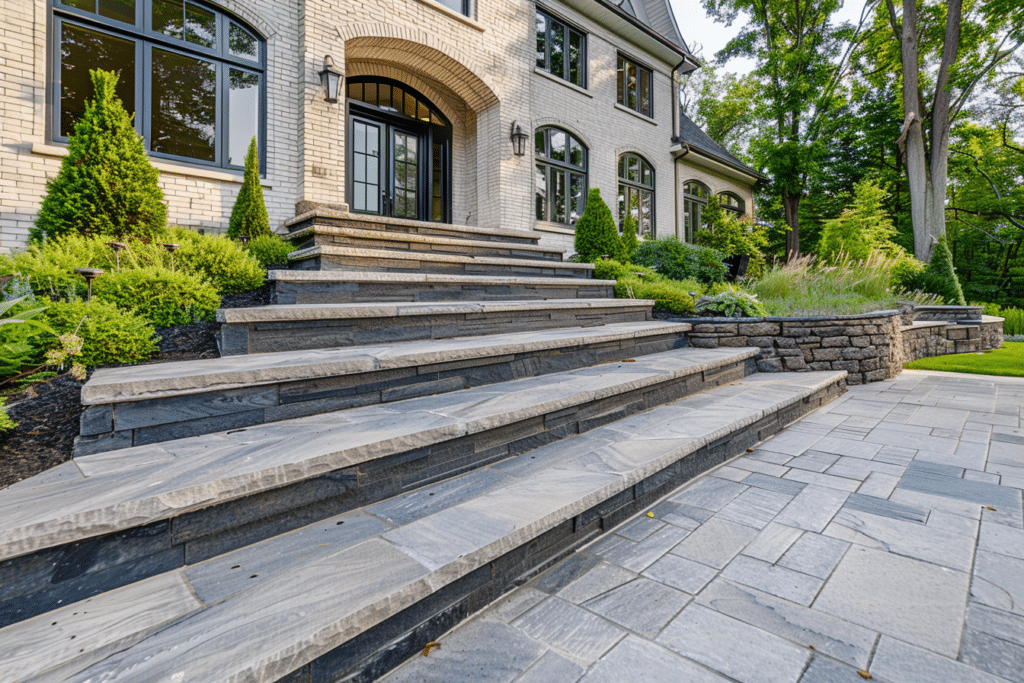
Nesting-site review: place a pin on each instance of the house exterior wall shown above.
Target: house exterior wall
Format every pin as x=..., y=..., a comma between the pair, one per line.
x=478, y=71
x=716, y=182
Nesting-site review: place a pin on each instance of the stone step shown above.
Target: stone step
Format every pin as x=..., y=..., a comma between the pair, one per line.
x=146, y=404
x=268, y=329
x=341, y=219
x=346, y=286
x=352, y=258
x=388, y=241
x=352, y=596
x=113, y=518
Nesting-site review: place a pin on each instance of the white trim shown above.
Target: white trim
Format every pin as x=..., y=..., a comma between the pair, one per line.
x=163, y=166
x=637, y=114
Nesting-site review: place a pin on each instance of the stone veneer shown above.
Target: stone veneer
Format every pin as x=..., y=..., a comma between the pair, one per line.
x=870, y=346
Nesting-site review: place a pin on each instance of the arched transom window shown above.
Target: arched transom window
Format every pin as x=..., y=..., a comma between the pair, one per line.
x=636, y=192
x=192, y=75
x=731, y=202
x=560, y=185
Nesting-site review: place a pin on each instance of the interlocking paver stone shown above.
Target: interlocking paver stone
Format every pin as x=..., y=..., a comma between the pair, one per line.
x=642, y=606
x=999, y=581
x=815, y=555
x=709, y=493
x=992, y=654
x=635, y=659
x=773, y=541
x=813, y=508
x=715, y=543
x=897, y=661
x=754, y=507
x=601, y=579
x=552, y=667
x=733, y=648
x=774, y=579
x=570, y=630
x=919, y=602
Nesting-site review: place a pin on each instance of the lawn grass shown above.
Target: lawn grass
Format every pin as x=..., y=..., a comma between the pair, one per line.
x=1006, y=362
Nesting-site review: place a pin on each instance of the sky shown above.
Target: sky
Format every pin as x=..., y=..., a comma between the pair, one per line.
x=700, y=30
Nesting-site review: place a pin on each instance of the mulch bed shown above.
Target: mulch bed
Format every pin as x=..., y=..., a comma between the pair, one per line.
x=47, y=413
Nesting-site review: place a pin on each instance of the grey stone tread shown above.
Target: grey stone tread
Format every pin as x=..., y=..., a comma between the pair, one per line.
x=385, y=222
x=108, y=385
x=297, y=312
x=424, y=239
x=427, y=278
x=133, y=486
x=332, y=250
x=269, y=608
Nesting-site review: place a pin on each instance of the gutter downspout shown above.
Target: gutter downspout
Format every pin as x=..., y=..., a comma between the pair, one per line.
x=678, y=191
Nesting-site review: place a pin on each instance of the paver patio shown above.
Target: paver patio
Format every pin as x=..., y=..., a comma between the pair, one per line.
x=882, y=533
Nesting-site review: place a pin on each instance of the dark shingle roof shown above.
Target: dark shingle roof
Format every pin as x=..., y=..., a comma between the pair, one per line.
x=657, y=14
x=691, y=134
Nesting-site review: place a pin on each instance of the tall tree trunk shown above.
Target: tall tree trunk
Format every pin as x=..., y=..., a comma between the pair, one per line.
x=913, y=134
x=791, y=206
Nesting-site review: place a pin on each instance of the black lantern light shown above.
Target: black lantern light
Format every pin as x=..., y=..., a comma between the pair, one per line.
x=330, y=79
x=518, y=138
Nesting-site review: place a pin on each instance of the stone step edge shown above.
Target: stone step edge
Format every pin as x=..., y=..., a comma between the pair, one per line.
x=308, y=312
x=156, y=506
x=395, y=255
x=422, y=225
x=361, y=276
x=267, y=368
x=415, y=590
x=390, y=236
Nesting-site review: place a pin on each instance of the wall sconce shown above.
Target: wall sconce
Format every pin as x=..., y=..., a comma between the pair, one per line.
x=330, y=79
x=518, y=138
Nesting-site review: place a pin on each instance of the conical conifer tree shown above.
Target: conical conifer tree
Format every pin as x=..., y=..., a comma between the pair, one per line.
x=106, y=185
x=940, y=275
x=596, y=234
x=249, y=214
x=629, y=240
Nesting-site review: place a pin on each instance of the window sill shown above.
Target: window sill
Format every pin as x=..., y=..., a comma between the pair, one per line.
x=458, y=16
x=561, y=81
x=558, y=228
x=163, y=166
x=637, y=114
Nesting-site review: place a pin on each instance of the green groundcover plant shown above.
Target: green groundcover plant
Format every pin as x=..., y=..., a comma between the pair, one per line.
x=1007, y=362
x=164, y=297
x=639, y=282
x=110, y=335
x=681, y=261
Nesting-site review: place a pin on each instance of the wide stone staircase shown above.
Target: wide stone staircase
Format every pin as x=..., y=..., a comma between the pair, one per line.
x=408, y=433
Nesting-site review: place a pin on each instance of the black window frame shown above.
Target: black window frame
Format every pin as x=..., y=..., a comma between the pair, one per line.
x=741, y=206
x=146, y=39
x=622, y=64
x=568, y=30
x=551, y=166
x=696, y=202
x=637, y=186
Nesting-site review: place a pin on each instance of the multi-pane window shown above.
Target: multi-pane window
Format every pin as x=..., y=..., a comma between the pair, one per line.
x=635, y=89
x=192, y=76
x=561, y=50
x=695, y=198
x=460, y=6
x=636, y=193
x=560, y=185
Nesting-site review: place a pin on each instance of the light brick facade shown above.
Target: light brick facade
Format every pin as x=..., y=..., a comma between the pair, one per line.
x=479, y=72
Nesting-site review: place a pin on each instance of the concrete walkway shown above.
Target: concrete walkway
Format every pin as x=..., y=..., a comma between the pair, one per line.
x=883, y=533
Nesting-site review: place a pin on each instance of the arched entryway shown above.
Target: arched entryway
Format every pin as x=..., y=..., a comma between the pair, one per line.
x=399, y=152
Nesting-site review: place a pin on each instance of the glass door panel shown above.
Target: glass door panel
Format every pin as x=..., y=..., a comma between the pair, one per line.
x=366, y=181
x=406, y=188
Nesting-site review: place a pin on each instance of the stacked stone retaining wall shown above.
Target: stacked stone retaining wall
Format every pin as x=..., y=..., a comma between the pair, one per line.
x=870, y=346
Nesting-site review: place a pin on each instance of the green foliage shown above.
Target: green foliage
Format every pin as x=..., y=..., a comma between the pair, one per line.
x=270, y=250
x=680, y=261
x=221, y=261
x=110, y=335
x=1013, y=318
x=722, y=103
x=907, y=274
x=106, y=185
x=861, y=228
x=164, y=297
x=940, y=276
x=23, y=337
x=732, y=302
x=249, y=214
x=596, y=234
x=730, y=235
x=629, y=241
x=1006, y=362
x=6, y=423
x=638, y=282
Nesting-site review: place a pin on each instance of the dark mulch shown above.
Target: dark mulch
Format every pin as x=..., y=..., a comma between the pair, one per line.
x=47, y=413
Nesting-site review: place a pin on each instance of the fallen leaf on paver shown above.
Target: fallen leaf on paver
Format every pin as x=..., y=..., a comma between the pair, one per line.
x=629, y=360
x=989, y=507
x=650, y=514
x=426, y=649
x=750, y=450
x=864, y=674
x=813, y=648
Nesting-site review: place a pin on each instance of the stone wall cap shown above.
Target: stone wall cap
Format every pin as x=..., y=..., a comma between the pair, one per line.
x=797, y=319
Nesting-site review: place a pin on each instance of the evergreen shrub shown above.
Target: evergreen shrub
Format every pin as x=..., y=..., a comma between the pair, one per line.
x=249, y=214
x=629, y=241
x=730, y=235
x=106, y=184
x=596, y=234
x=270, y=250
x=163, y=297
x=110, y=335
x=221, y=261
x=940, y=278
x=680, y=261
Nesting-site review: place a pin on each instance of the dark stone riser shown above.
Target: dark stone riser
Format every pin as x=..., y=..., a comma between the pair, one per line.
x=382, y=264
x=308, y=293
